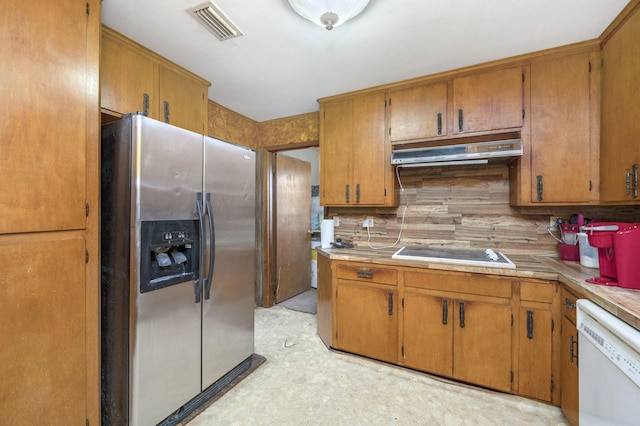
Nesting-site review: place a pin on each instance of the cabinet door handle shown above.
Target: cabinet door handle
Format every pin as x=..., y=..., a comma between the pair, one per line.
x=145, y=104
x=439, y=123
x=460, y=120
x=634, y=181
x=390, y=304
x=461, y=314
x=529, y=324
x=365, y=274
x=346, y=193
x=568, y=304
x=445, y=311
x=357, y=193
x=573, y=352
x=539, y=187
x=628, y=182
x=166, y=112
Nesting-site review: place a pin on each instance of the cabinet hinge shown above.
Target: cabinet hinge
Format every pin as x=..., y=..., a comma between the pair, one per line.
x=553, y=385
x=511, y=377
x=385, y=192
x=403, y=352
x=553, y=325
x=86, y=256
x=86, y=209
x=589, y=66
x=523, y=114
x=88, y=9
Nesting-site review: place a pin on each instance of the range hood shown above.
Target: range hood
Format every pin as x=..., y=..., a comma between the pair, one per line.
x=470, y=153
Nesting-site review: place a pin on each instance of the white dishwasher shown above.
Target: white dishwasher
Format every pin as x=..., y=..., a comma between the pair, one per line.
x=609, y=381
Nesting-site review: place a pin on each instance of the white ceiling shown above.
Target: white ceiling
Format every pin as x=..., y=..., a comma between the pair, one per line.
x=284, y=63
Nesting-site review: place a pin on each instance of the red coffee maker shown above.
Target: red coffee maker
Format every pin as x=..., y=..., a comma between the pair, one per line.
x=618, y=246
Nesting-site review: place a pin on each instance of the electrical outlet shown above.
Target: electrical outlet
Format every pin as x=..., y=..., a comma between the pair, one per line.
x=553, y=222
x=336, y=221
x=370, y=221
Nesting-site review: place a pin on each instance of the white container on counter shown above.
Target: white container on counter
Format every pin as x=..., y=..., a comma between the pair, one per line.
x=588, y=254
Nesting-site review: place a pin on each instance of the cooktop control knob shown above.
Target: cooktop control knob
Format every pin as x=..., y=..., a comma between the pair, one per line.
x=491, y=254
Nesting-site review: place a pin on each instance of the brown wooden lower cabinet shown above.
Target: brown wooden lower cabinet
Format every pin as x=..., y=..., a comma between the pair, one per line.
x=367, y=320
x=488, y=330
x=462, y=338
x=428, y=333
x=569, y=357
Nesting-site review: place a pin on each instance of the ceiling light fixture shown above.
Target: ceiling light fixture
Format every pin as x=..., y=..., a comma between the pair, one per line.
x=328, y=13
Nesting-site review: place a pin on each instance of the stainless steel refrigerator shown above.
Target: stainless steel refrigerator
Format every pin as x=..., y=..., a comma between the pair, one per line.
x=178, y=270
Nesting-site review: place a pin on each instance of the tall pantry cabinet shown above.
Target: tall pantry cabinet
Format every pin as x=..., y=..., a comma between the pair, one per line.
x=49, y=212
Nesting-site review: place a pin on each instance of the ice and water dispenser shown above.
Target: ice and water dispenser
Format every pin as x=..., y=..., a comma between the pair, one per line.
x=169, y=253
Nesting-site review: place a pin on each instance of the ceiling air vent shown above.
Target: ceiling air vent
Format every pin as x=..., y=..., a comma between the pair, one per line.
x=215, y=21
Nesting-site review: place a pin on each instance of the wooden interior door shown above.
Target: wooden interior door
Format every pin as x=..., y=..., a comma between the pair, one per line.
x=293, y=222
x=42, y=324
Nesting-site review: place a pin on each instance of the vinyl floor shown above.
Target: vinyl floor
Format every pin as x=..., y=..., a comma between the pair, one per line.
x=304, y=383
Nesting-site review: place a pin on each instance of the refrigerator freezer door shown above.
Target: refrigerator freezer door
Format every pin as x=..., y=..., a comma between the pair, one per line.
x=228, y=330
x=166, y=323
x=167, y=170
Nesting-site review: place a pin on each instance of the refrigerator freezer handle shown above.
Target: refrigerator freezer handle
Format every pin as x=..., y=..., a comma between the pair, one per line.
x=197, y=284
x=212, y=248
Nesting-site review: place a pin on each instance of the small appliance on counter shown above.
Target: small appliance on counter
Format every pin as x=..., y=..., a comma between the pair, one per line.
x=618, y=246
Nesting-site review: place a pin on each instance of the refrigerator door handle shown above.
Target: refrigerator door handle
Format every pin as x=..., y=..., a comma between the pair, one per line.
x=212, y=248
x=197, y=285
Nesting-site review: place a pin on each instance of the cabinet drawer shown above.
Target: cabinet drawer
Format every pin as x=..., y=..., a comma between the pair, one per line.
x=461, y=283
x=568, y=303
x=367, y=273
x=537, y=291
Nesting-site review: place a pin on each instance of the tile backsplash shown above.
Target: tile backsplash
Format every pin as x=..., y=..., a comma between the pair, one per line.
x=464, y=206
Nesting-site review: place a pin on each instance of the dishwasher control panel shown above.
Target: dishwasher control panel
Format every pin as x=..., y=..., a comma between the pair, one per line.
x=619, y=353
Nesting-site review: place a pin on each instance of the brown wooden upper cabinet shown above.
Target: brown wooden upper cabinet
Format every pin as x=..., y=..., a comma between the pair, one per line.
x=620, y=127
x=418, y=112
x=488, y=101
x=355, y=163
x=561, y=129
x=134, y=79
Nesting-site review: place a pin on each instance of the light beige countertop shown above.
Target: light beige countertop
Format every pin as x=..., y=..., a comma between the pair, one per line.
x=623, y=303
